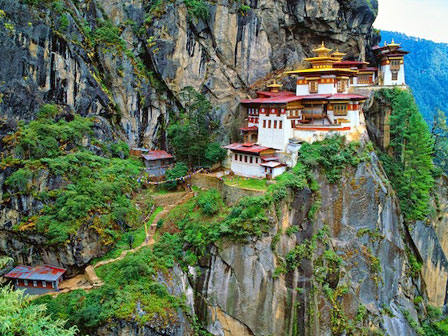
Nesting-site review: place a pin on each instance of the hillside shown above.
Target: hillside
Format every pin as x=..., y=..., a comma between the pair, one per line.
x=426, y=71
x=351, y=240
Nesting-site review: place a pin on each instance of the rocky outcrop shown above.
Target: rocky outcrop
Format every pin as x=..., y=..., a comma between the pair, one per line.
x=242, y=293
x=132, y=70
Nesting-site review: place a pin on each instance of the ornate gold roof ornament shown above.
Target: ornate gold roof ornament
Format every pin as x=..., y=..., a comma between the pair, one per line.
x=322, y=50
x=338, y=54
x=393, y=44
x=274, y=86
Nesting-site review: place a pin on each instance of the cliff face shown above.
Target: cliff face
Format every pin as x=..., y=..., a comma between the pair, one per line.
x=243, y=296
x=128, y=60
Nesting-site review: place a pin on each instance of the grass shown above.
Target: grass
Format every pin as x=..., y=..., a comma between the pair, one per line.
x=248, y=183
x=123, y=243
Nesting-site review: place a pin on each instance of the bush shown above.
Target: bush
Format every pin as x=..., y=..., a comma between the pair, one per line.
x=209, y=202
x=20, y=179
x=180, y=169
x=197, y=9
x=215, y=153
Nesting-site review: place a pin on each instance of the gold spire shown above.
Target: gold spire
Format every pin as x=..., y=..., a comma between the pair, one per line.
x=322, y=50
x=337, y=54
x=393, y=44
x=274, y=86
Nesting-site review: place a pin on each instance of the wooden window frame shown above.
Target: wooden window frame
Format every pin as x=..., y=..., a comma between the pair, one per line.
x=313, y=86
x=264, y=123
x=275, y=123
x=280, y=124
x=269, y=123
x=340, y=109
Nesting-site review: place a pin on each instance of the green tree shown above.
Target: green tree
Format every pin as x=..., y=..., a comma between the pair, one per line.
x=179, y=170
x=440, y=134
x=194, y=130
x=410, y=167
x=19, y=318
x=215, y=153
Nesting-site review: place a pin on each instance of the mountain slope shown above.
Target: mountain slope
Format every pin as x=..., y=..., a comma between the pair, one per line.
x=426, y=71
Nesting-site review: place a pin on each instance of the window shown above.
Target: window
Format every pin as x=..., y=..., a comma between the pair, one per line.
x=251, y=159
x=245, y=158
x=235, y=157
x=278, y=112
x=342, y=85
x=52, y=284
x=313, y=86
x=395, y=64
x=269, y=123
x=351, y=80
x=364, y=79
x=241, y=157
x=340, y=109
x=280, y=124
x=34, y=283
x=264, y=123
x=44, y=284
x=293, y=123
x=256, y=160
x=25, y=282
x=394, y=75
x=275, y=123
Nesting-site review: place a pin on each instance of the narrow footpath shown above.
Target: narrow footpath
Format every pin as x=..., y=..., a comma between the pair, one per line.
x=90, y=279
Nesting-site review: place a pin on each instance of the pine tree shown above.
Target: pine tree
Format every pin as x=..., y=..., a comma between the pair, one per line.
x=411, y=166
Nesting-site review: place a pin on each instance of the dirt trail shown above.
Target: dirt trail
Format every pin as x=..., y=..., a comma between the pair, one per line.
x=90, y=279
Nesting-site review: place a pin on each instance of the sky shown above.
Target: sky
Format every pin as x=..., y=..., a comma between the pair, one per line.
x=420, y=18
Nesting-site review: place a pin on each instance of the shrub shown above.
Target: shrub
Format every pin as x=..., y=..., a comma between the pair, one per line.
x=20, y=179
x=209, y=202
x=197, y=9
x=180, y=169
x=215, y=153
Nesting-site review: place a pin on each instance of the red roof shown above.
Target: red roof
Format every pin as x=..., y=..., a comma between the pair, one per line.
x=44, y=272
x=247, y=148
x=156, y=155
x=274, y=94
x=251, y=128
x=278, y=99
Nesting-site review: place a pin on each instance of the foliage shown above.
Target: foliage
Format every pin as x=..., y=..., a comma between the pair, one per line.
x=214, y=153
x=332, y=155
x=130, y=286
x=197, y=9
x=192, y=134
x=19, y=180
x=242, y=182
x=109, y=35
x=439, y=133
x=410, y=166
x=46, y=138
x=179, y=170
x=210, y=202
x=88, y=189
x=426, y=71
x=18, y=317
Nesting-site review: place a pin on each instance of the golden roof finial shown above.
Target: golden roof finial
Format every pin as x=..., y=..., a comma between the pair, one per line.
x=338, y=54
x=274, y=85
x=393, y=44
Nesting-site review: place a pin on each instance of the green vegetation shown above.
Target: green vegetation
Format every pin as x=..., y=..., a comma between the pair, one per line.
x=193, y=134
x=179, y=170
x=197, y=9
x=426, y=72
x=18, y=317
x=93, y=190
x=410, y=166
x=249, y=183
x=439, y=133
x=130, y=286
x=129, y=240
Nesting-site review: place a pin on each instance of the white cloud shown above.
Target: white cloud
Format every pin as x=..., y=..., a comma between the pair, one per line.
x=421, y=18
